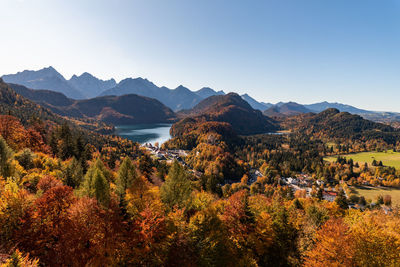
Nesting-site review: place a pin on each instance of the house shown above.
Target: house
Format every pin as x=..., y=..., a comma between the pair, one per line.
x=291, y=180
x=329, y=195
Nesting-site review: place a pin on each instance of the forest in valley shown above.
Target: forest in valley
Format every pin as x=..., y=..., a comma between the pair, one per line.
x=71, y=196
x=67, y=202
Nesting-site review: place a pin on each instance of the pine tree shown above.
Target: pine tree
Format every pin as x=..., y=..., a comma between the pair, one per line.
x=177, y=188
x=297, y=204
x=320, y=194
x=5, y=156
x=73, y=174
x=341, y=200
x=66, y=146
x=79, y=149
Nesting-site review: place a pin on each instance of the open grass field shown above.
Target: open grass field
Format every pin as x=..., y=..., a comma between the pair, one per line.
x=388, y=158
x=372, y=192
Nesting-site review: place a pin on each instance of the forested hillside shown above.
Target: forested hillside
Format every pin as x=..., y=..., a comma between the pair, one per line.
x=230, y=108
x=117, y=110
x=335, y=124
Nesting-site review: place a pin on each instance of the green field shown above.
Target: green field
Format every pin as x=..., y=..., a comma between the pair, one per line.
x=371, y=193
x=388, y=158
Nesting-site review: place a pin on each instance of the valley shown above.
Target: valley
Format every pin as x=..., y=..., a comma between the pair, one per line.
x=130, y=163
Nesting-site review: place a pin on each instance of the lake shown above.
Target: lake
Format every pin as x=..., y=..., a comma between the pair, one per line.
x=145, y=133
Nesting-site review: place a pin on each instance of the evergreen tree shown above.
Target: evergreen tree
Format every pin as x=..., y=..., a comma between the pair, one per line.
x=5, y=156
x=66, y=144
x=362, y=201
x=297, y=204
x=73, y=174
x=379, y=199
x=177, y=188
x=320, y=194
x=366, y=166
x=25, y=158
x=341, y=200
x=79, y=147
x=53, y=143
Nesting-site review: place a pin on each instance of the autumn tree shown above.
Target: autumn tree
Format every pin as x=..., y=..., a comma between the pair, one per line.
x=96, y=183
x=387, y=200
x=93, y=235
x=44, y=226
x=18, y=259
x=333, y=246
x=101, y=188
x=125, y=178
x=12, y=131
x=14, y=203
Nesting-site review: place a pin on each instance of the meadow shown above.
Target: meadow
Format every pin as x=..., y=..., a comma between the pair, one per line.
x=371, y=193
x=388, y=158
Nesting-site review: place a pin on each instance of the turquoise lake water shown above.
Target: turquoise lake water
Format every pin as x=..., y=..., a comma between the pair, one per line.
x=145, y=133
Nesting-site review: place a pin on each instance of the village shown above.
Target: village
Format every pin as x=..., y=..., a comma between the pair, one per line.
x=301, y=183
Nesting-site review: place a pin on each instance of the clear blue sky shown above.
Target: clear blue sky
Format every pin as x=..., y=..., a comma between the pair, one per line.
x=300, y=50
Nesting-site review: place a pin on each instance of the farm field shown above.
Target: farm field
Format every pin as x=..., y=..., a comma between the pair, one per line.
x=388, y=158
x=372, y=192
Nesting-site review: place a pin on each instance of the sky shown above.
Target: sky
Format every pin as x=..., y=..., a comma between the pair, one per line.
x=306, y=51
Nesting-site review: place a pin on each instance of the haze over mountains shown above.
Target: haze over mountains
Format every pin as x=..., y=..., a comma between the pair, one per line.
x=86, y=86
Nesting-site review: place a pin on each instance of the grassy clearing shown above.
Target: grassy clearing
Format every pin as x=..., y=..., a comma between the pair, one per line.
x=388, y=158
x=371, y=193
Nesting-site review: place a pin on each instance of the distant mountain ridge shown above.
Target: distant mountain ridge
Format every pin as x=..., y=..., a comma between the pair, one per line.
x=286, y=109
x=47, y=78
x=318, y=107
x=88, y=86
x=282, y=109
x=118, y=110
x=78, y=87
x=207, y=92
x=255, y=104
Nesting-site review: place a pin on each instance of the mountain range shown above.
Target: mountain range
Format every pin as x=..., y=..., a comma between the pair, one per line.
x=118, y=110
x=87, y=86
x=78, y=87
x=286, y=109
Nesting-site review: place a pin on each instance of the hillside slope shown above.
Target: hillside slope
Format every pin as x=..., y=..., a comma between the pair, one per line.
x=335, y=124
x=126, y=109
x=230, y=108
